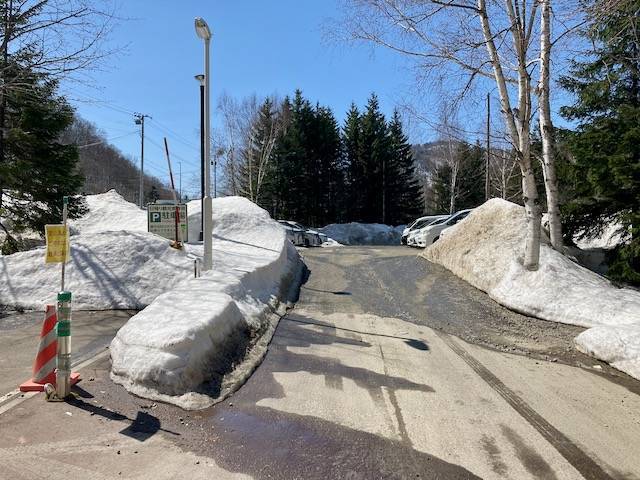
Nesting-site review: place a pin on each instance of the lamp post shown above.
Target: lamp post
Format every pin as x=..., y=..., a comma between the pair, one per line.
x=202, y=30
x=200, y=79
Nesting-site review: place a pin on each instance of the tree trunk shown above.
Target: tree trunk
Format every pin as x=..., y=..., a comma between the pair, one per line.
x=517, y=123
x=546, y=130
x=532, y=209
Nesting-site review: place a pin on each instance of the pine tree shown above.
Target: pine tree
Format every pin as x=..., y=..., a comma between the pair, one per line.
x=441, y=189
x=470, y=185
x=329, y=178
x=604, y=178
x=353, y=164
x=404, y=197
x=375, y=156
x=37, y=170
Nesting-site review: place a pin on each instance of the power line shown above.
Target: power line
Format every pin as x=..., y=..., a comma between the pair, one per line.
x=177, y=136
x=107, y=140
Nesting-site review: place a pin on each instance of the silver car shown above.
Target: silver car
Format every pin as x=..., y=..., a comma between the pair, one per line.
x=294, y=234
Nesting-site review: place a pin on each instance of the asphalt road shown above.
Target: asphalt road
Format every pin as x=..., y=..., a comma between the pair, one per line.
x=388, y=367
x=20, y=335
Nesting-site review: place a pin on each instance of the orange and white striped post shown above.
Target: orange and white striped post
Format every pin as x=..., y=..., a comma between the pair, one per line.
x=45, y=363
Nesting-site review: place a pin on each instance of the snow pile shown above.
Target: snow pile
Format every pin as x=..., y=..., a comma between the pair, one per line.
x=107, y=270
x=486, y=250
x=115, y=263
x=363, y=233
x=192, y=330
x=199, y=328
x=109, y=212
x=610, y=237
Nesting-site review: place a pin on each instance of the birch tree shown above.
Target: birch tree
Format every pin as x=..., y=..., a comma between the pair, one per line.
x=546, y=128
x=486, y=41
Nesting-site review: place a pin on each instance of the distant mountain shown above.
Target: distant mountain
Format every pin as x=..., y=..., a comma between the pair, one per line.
x=105, y=167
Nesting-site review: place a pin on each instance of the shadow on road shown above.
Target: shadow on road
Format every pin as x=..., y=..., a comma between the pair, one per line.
x=412, y=342
x=141, y=428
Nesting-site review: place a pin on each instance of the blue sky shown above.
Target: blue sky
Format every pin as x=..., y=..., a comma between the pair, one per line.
x=260, y=47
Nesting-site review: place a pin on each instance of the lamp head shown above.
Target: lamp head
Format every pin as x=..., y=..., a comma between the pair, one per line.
x=200, y=78
x=202, y=29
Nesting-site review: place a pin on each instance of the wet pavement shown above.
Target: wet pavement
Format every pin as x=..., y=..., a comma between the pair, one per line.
x=387, y=368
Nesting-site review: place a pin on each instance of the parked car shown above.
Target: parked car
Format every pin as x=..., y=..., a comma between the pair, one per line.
x=311, y=238
x=431, y=233
x=417, y=224
x=294, y=234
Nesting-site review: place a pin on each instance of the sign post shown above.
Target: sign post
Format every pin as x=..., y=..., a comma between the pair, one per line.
x=63, y=329
x=58, y=251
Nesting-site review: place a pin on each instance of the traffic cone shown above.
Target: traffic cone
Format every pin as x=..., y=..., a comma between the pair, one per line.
x=45, y=364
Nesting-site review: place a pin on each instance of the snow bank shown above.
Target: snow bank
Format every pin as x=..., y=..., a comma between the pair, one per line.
x=109, y=212
x=108, y=270
x=486, y=250
x=115, y=263
x=363, y=233
x=196, y=330
x=609, y=238
x=192, y=330
x=616, y=345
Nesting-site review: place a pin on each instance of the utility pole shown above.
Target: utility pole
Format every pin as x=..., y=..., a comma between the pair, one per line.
x=139, y=120
x=486, y=166
x=180, y=180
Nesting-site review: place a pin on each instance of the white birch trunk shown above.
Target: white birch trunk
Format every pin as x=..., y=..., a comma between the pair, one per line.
x=518, y=126
x=546, y=129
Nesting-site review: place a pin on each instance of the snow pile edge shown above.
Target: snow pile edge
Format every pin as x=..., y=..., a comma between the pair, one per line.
x=194, y=344
x=486, y=250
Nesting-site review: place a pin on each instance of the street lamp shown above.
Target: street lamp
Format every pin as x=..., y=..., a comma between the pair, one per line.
x=200, y=79
x=202, y=30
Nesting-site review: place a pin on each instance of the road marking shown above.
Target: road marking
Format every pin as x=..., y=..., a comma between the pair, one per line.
x=15, y=401
x=576, y=457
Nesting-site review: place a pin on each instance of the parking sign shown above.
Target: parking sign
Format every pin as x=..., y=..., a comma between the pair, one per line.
x=161, y=220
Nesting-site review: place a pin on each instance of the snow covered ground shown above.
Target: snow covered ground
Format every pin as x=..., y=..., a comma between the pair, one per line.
x=610, y=237
x=190, y=326
x=115, y=263
x=363, y=233
x=486, y=250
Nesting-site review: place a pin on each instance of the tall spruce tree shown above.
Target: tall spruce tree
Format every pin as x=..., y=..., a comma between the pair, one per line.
x=441, y=189
x=375, y=157
x=470, y=187
x=37, y=170
x=404, y=197
x=329, y=178
x=604, y=177
x=353, y=164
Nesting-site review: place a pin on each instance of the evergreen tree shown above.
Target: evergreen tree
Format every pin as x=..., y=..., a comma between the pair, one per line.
x=470, y=185
x=37, y=170
x=404, y=194
x=441, y=189
x=329, y=180
x=353, y=164
x=152, y=195
x=604, y=177
x=375, y=157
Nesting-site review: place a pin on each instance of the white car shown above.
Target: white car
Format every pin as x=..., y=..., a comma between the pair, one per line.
x=419, y=223
x=431, y=233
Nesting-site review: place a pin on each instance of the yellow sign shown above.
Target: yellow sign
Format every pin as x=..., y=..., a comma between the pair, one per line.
x=57, y=243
